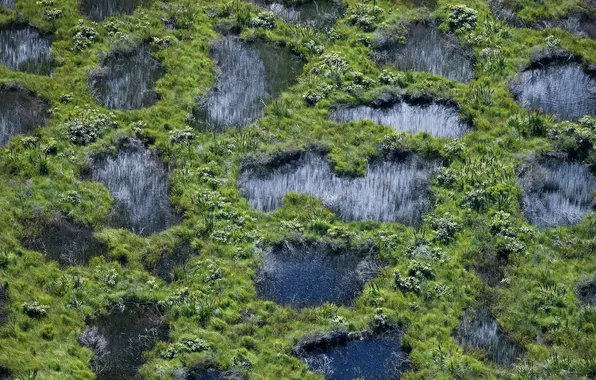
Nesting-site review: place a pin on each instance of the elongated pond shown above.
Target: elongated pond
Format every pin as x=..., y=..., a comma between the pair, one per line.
x=139, y=183
x=427, y=49
x=20, y=111
x=376, y=358
x=65, y=242
x=306, y=275
x=556, y=192
x=120, y=337
x=25, y=49
x=318, y=14
x=98, y=10
x=437, y=119
x=126, y=80
x=251, y=74
x=565, y=90
x=390, y=191
x=481, y=330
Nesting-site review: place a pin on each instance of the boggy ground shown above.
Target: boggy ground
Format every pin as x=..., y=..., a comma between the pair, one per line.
x=213, y=312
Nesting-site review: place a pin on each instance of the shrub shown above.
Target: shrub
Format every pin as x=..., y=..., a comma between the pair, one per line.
x=314, y=48
x=330, y=65
x=500, y=224
x=476, y=199
x=365, y=16
x=182, y=136
x=445, y=227
x=445, y=176
x=265, y=20
x=84, y=36
x=52, y=14
x=462, y=18
x=392, y=143
x=420, y=270
x=35, y=309
x=312, y=97
x=88, y=126
x=407, y=284
x=389, y=78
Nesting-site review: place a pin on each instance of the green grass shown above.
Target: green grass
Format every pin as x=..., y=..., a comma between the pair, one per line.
x=559, y=337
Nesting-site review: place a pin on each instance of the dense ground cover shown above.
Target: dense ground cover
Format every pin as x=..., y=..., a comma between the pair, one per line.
x=474, y=250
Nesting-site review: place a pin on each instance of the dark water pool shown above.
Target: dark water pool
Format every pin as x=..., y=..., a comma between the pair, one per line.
x=7, y=3
x=170, y=262
x=20, y=111
x=480, y=330
x=581, y=23
x=139, y=182
x=318, y=14
x=390, y=191
x=374, y=359
x=120, y=338
x=427, y=49
x=586, y=291
x=98, y=10
x=307, y=275
x=126, y=80
x=564, y=90
x=67, y=243
x=437, y=119
x=251, y=74
x=3, y=305
x=556, y=192
x=23, y=48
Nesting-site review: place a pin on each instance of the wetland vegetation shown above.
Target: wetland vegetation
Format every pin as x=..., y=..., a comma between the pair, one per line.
x=297, y=189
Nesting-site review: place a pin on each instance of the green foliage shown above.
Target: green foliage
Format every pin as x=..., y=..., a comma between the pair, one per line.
x=430, y=273
x=462, y=17
x=35, y=309
x=365, y=16
x=265, y=20
x=88, y=125
x=83, y=36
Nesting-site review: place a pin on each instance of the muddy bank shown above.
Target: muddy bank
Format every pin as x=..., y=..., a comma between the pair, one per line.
x=21, y=111
x=251, y=74
x=126, y=80
x=139, y=182
x=391, y=191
